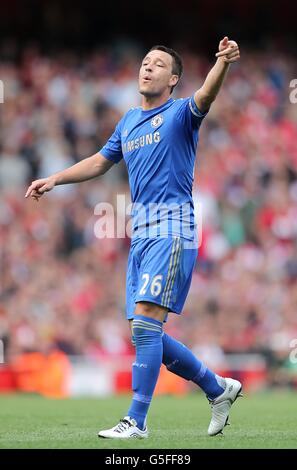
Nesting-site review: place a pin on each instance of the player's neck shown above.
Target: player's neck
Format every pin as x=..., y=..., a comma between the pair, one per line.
x=151, y=102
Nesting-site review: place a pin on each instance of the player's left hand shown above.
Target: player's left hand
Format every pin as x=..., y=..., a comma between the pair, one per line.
x=228, y=50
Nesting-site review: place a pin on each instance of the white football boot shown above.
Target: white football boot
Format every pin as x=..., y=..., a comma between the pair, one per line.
x=126, y=429
x=220, y=406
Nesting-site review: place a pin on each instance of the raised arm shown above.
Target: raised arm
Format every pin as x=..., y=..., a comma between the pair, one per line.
x=84, y=170
x=228, y=53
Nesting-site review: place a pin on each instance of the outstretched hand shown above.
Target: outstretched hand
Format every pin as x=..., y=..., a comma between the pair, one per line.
x=39, y=187
x=228, y=50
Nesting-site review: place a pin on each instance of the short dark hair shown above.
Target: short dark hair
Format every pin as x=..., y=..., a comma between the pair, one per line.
x=177, y=64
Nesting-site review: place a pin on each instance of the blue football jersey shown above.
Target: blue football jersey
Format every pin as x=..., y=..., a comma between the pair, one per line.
x=159, y=149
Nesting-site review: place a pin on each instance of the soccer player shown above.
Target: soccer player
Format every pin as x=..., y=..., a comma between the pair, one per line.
x=158, y=143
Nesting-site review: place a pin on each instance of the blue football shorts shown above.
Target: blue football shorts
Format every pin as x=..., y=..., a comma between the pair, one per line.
x=159, y=271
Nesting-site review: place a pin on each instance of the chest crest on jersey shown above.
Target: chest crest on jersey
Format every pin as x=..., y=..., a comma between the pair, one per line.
x=157, y=121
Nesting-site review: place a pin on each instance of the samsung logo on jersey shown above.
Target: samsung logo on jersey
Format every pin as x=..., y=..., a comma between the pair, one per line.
x=148, y=139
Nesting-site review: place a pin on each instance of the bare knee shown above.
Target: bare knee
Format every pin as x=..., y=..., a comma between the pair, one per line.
x=151, y=310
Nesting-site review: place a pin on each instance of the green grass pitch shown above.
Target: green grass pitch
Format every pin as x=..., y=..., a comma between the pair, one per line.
x=266, y=421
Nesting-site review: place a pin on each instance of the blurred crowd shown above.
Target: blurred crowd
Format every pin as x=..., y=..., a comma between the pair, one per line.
x=62, y=287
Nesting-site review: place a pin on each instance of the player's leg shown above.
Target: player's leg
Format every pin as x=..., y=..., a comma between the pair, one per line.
x=221, y=392
x=176, y=356
x=147, y=333
x=179, y=360
x=147, y=320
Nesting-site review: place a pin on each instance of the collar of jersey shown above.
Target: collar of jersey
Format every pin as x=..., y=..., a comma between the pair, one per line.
x=153, y=110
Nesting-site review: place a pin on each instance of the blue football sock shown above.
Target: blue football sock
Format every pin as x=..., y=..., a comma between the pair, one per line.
x=147, y=334
x=181, y=361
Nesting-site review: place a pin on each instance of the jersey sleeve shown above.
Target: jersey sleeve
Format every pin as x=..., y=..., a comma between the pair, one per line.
x=189, y=113
x=112, y=150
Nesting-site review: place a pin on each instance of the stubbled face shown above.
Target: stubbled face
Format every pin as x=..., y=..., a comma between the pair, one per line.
x=155, y=74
